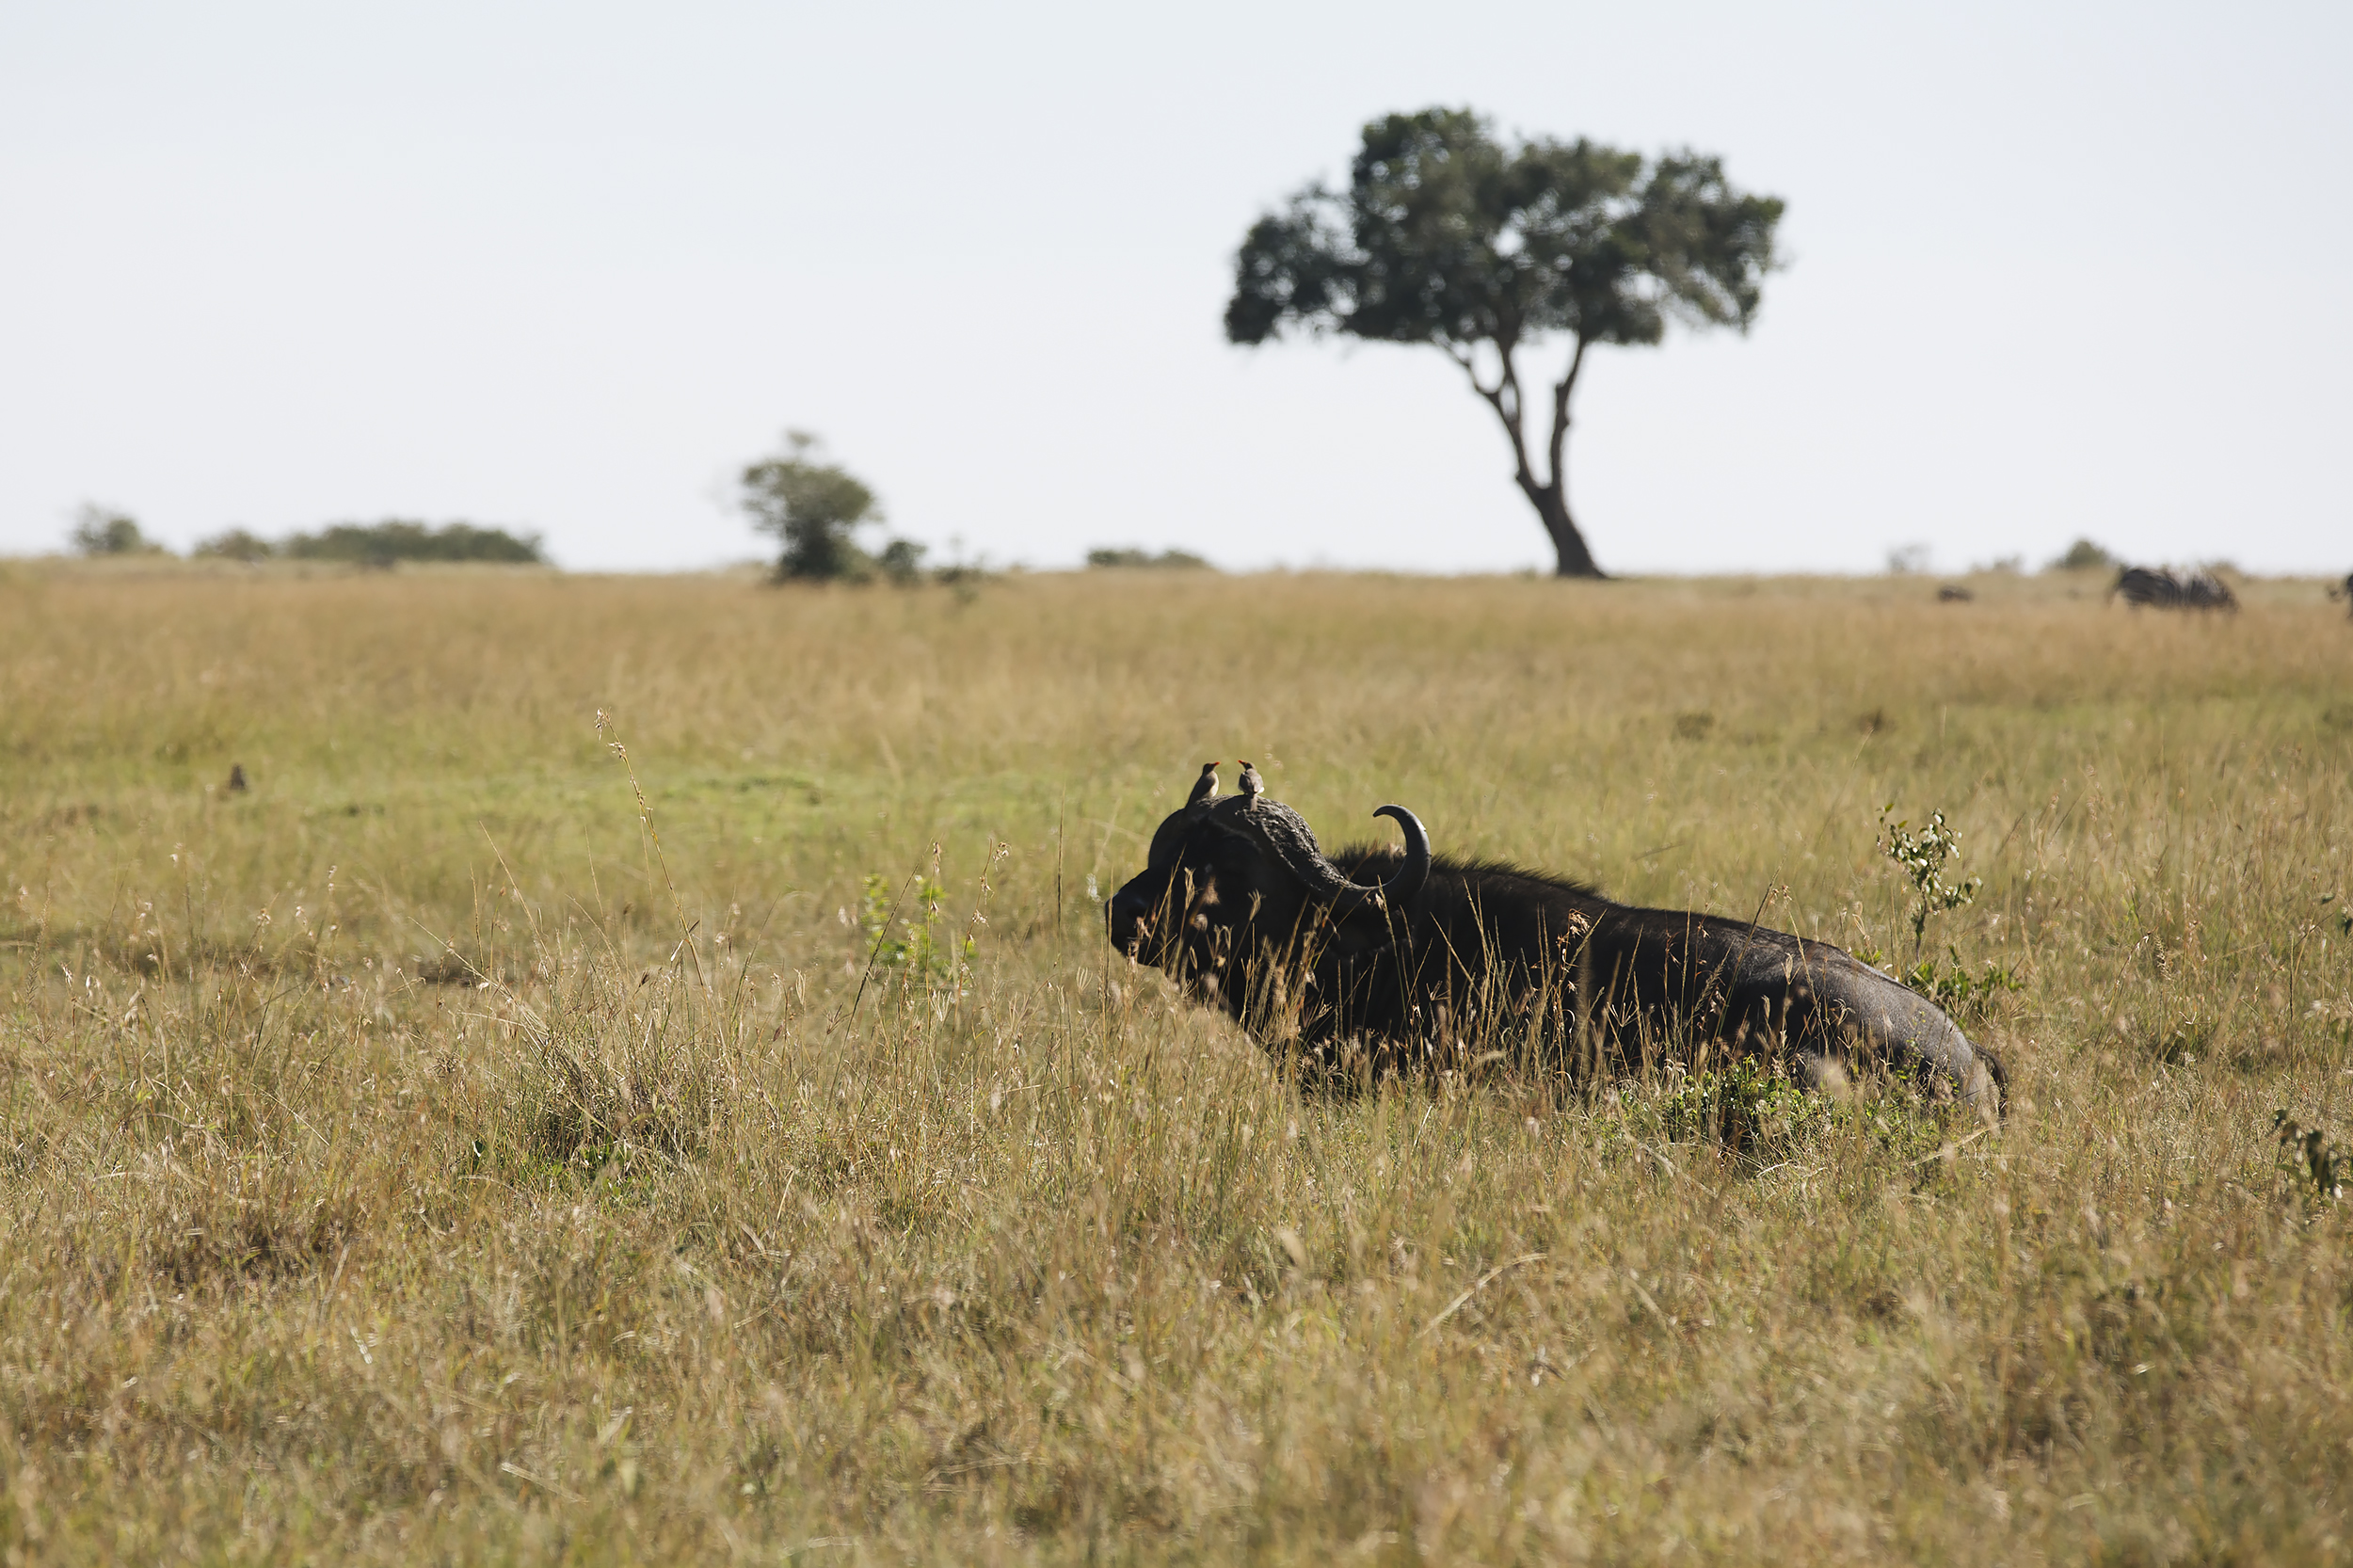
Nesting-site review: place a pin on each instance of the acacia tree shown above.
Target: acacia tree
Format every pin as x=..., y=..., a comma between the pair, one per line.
x=1447, y=236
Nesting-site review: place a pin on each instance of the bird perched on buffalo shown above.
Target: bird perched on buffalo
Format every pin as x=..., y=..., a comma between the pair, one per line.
x=1251, y=785
x=1204, y=786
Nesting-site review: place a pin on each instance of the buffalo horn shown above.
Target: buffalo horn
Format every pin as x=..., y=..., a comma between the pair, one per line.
x=1404, y=882
x=1286, y=836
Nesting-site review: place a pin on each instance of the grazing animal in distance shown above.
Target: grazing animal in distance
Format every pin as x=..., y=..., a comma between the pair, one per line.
x=2344, y=591
x=236, y=778
x=1953, y=593
x=2160, y=589
x=1378, y=960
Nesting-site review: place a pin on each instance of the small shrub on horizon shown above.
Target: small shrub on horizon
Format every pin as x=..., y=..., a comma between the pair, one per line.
x=902, y=562
x=2083, y=555
x=103, y=531
x=1110, y=556
x=382, y=544
x=236, y=544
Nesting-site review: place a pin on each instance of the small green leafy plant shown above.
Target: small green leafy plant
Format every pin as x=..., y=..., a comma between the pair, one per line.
x=919, y=948
x=1922, y=856
x=1750, y=1107
x=2315, y=1165
x=1949, y=983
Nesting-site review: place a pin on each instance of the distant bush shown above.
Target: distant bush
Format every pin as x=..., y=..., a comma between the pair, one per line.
x=1172, y=560
x=237, y=544
x=2083, y=555
x=380, y=544
x=101, y=531
x=814, y=508
x=901, y=561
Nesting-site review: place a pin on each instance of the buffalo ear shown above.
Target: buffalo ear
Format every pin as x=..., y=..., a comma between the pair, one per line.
x=1166, y=840
x=1169, y=837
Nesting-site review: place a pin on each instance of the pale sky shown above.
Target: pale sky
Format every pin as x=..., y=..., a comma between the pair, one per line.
x=2053, y=270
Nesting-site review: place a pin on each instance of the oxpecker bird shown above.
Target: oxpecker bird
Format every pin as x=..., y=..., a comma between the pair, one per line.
x=1252, y=785
x=1204, y=786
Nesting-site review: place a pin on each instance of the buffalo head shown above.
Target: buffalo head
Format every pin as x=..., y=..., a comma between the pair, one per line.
x=1228, y=880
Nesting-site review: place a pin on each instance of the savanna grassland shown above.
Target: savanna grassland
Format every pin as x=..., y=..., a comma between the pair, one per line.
x=469, y=1144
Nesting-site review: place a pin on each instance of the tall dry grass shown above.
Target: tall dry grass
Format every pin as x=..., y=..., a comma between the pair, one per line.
x=404, y=1158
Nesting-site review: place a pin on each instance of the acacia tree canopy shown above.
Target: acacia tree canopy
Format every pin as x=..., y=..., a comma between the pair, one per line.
x=1447, y=236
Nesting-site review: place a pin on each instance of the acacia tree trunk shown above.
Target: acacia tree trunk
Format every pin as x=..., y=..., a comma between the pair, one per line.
x=1548, y=495
x=1552, y=506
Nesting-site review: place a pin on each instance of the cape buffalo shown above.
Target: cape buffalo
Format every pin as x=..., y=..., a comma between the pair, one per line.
x=1383, y=959
x=2162, y=590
